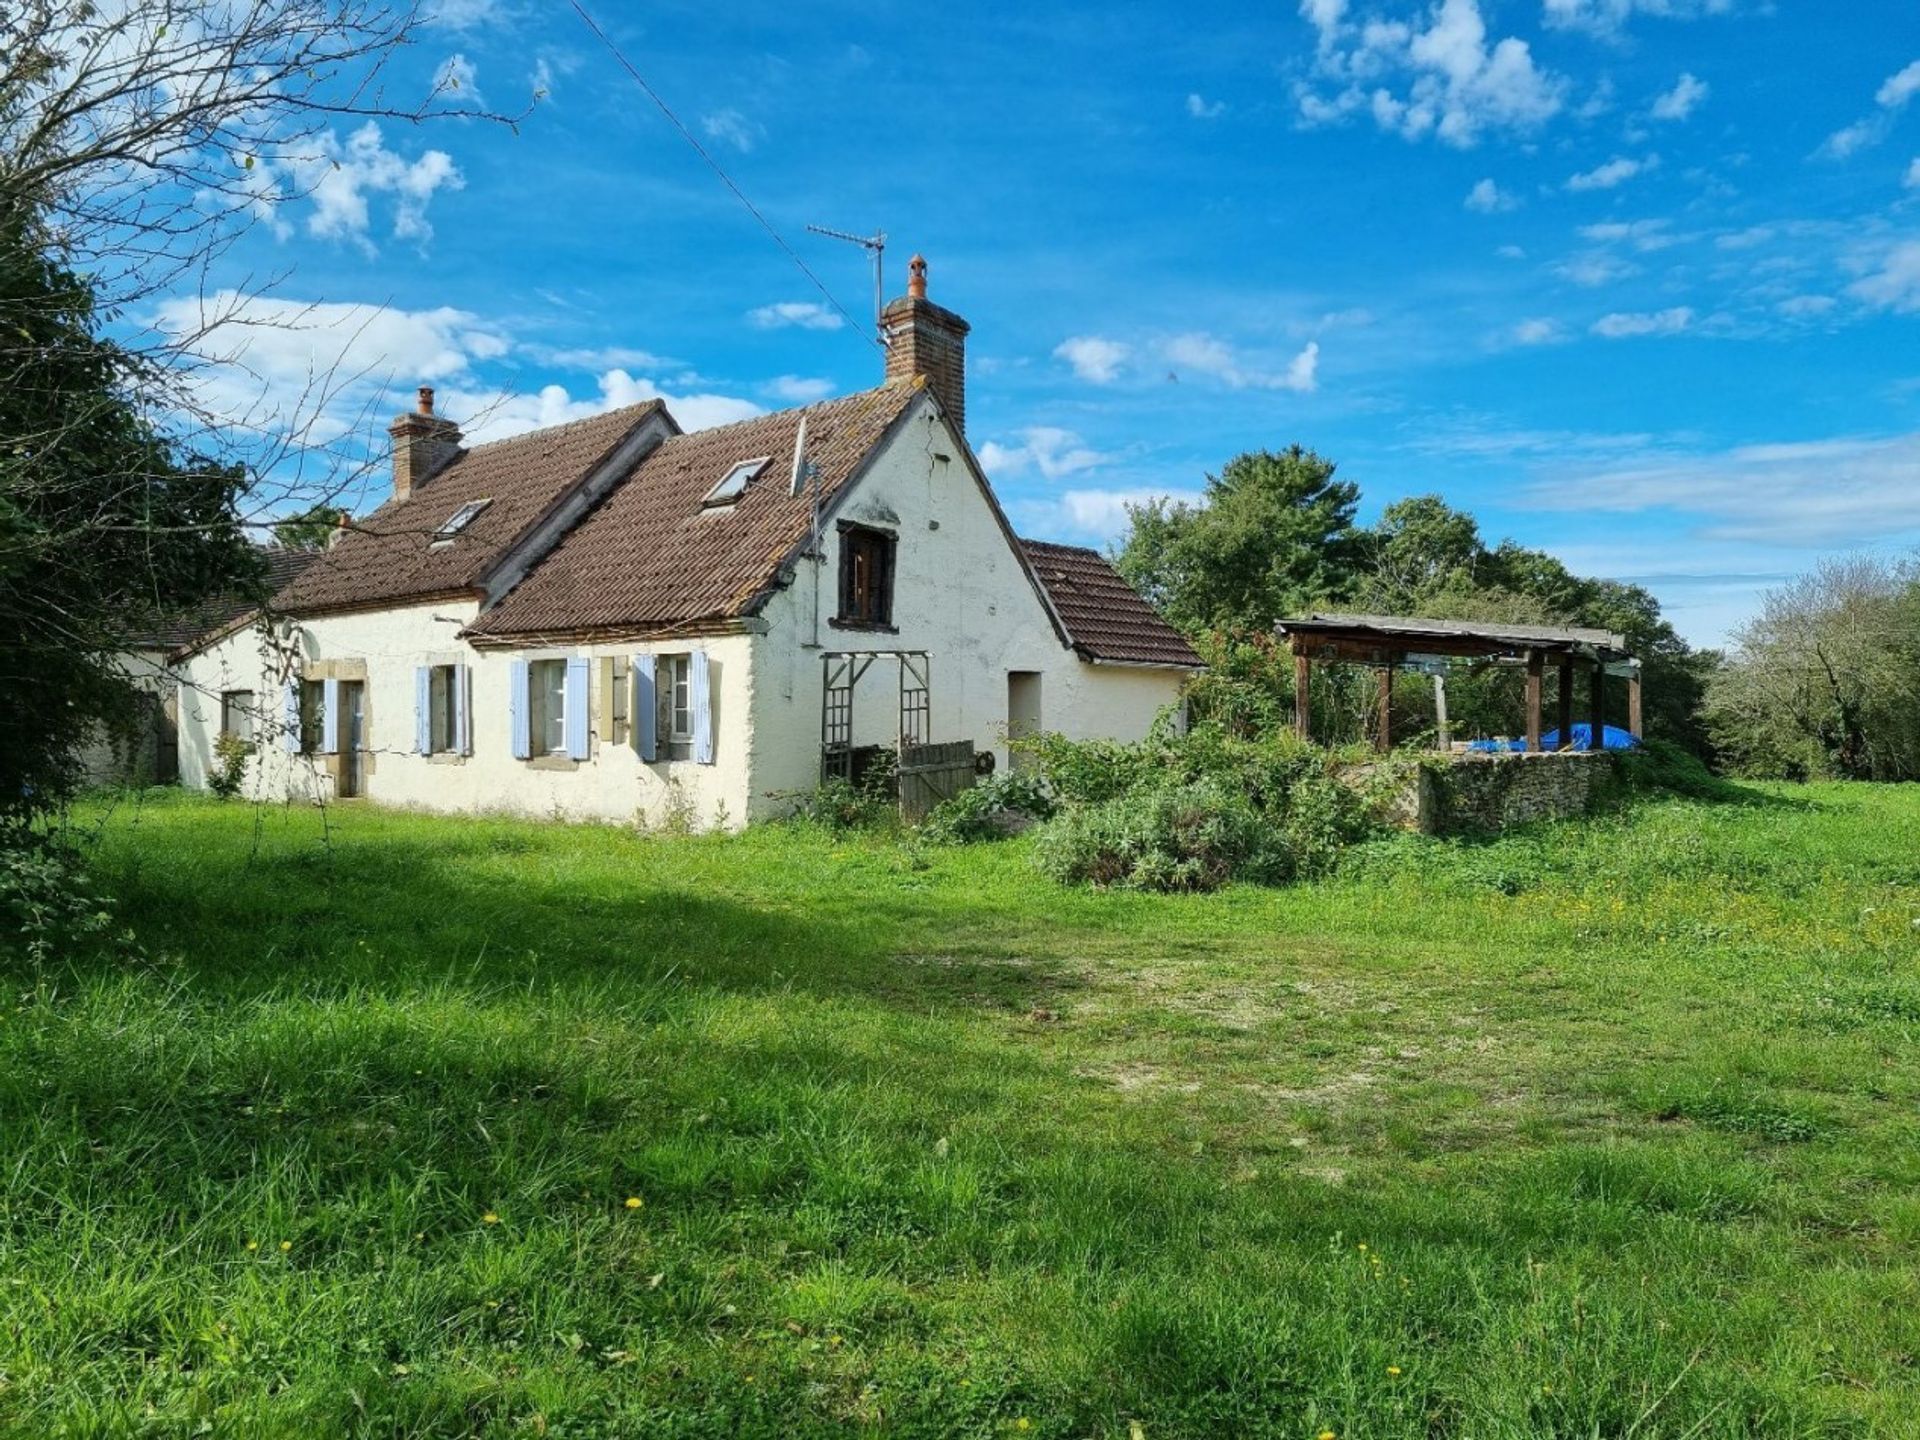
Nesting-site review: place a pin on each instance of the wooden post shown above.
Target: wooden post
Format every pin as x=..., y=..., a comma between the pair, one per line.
x=1598, y=741
x=1440, y=712
x=1536, y=671
x=1302, y=709
x=1633, y=704
x=1385, y=678
x=1566, y=705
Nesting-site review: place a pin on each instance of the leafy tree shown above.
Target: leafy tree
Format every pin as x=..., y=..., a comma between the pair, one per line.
x=1825, y=680
x=1272, y=535
x=104, y=528
x=312, y=529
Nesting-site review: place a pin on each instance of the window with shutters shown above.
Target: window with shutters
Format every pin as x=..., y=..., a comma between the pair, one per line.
x=442, y=728
x=236, y=714
x=673, y=701
x=547, y=706
x=866, y=578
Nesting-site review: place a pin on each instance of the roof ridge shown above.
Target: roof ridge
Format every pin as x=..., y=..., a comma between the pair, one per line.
x=635, y=409
x=807, y=409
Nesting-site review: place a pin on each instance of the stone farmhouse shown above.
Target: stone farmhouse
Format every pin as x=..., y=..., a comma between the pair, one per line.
x=612, y=619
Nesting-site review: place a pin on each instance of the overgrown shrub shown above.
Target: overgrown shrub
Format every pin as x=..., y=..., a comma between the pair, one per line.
x=1177, y=836
x=229, y=771
x=869, y=803
x=990, y=810
x=46, y=895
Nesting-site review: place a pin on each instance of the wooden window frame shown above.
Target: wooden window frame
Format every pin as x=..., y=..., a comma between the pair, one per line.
x=866, y=603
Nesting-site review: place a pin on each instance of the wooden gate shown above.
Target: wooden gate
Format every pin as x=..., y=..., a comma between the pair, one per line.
x=932, y=773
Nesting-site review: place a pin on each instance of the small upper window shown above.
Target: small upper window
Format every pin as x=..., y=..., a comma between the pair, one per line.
x=459, y=520
x=735, y=481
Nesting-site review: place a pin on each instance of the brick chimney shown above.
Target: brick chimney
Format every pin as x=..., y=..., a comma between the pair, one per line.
x=422, y=443
x=927, y=339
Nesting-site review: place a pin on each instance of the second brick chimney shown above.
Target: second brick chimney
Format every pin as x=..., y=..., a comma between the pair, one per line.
x=422, y=443
x=927, y=339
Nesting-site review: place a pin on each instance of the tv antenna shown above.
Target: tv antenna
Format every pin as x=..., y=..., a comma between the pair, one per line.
x=876, y=246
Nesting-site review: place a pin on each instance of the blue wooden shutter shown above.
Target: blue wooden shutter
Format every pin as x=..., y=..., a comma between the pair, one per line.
x=291, y=720
x=702, y=706
x=517, y=709
x=423, y=709
x=646, y=713
x=460, y=696
x=329, y=717
x=577, y=716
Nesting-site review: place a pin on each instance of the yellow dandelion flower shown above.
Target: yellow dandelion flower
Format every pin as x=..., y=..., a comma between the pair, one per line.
x=286, y=1245
x=1328, y=1435
x=634, y=1202
x=1023, y=1423
x=834, y=1340
x=253, y=1244
x=1363, y=1247
x=1393, y=1369
x=489, y=1218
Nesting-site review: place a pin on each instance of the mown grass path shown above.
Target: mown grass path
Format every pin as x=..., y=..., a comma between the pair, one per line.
x=1608, y=1130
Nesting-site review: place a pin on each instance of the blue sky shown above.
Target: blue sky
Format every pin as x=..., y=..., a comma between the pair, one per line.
x=1637, y=281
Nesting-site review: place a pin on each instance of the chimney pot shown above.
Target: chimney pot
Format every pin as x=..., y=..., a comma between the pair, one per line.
x=917, y=277
x=426, y=399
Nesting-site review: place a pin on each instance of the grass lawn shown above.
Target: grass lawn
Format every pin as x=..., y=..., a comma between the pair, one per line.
x=1604, y=1131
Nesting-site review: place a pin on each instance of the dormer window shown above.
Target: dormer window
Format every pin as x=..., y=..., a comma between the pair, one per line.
x=734, y=483
x=459, y=520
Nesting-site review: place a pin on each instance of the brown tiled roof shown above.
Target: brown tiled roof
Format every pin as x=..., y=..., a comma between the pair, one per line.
x=651, y=555
x=388, y=557
x=218, y=612
x=1105, y=617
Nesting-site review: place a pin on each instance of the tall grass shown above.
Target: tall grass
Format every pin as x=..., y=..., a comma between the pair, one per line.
x=1601, y=1130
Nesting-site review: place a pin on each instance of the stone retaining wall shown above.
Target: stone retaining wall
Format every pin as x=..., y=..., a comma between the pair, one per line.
x=1493, y=792
x=1478, y=791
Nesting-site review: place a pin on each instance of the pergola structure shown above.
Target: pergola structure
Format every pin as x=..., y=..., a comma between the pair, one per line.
x=1397, y=642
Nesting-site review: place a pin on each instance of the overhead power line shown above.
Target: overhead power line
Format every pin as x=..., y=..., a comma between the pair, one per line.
x=717, y=168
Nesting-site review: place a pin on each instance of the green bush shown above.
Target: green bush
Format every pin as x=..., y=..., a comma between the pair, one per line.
x=229, y=770
x=982, y=812
x=1177, y=836
x=46, y=895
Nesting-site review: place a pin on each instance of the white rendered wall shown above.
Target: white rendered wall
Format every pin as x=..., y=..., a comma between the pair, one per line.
x=612, y=784
x=959, y=593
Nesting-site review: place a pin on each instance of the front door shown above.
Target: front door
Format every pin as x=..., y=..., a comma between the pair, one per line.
x=353, y=738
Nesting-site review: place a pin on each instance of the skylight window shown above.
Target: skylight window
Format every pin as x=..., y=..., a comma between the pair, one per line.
x=459, y=520
x=735, y=481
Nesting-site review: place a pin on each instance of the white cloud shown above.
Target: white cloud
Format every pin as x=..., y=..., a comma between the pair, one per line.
x=340, y=177
x=1489, y=199
x=1054, y=452
x=1536, y=332
x=1593, y=268
x=1606, y=18
x=1645, y=236
x=1900, y=88
x=1805, y=495
x=1456, y=86
x=801, y=314
x=1686, y=96
x=1806, y=307
x=1892, y=281
x=600, y=357
x=1202, y=354
x=1200, y=108
x=1093, y=357
x=1615, y=172
x=1624, y=326
x=1511, y=252
x=1892, y=97
x=730, y=127
x=1096, y=516
x=458, y=77
x=1912, y=180
x=799, y=389
x=495, y=414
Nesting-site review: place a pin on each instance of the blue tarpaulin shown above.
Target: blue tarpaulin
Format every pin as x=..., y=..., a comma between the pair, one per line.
x=1613, y=738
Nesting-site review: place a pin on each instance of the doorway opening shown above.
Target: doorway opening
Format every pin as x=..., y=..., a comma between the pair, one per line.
x=1023, y=713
